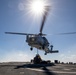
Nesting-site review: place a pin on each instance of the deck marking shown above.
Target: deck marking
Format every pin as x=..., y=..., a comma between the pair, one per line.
x=51, y=71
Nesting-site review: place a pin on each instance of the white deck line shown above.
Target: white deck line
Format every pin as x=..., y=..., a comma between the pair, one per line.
x=51, y=71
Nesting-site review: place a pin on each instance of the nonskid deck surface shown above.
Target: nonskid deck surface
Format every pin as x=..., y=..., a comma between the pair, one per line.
x=23, y=68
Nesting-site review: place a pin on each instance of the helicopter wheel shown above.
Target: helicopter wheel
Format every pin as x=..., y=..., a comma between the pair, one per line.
x=43, y=47
x=45, y=53
x=31, y=48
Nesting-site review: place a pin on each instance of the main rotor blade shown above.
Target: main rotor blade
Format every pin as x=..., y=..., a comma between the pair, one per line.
x=18, y=33
x=68, y=33
x=44, y=18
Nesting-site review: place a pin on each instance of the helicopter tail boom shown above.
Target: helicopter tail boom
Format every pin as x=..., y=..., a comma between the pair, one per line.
x=49, y=51
x=55, y=51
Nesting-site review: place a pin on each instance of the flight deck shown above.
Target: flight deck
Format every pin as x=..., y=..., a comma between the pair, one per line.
x=24, y=68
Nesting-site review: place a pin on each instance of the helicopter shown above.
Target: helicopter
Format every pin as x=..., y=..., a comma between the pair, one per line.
x=39, y=40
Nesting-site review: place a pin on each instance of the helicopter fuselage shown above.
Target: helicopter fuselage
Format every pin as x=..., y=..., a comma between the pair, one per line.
x=38, y=42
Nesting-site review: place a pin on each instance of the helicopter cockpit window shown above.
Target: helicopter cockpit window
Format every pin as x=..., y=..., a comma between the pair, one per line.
x=46, y=41
x=32, y=38
x=44, y=38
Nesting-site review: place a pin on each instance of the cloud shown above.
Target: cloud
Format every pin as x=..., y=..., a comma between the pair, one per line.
x=16, y=56
x=69, y=55
x=68, y=58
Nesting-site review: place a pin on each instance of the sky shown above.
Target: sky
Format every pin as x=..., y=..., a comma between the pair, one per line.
x=16, y=17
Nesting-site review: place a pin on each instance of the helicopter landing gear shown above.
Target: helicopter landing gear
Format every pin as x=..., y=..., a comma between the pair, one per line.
x=45, y=53
x=43, y=47
x=31, y=48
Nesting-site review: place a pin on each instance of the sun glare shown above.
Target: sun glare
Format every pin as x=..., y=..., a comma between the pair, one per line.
x=37, y=7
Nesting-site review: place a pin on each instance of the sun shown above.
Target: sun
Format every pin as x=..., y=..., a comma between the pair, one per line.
x=37, y=7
